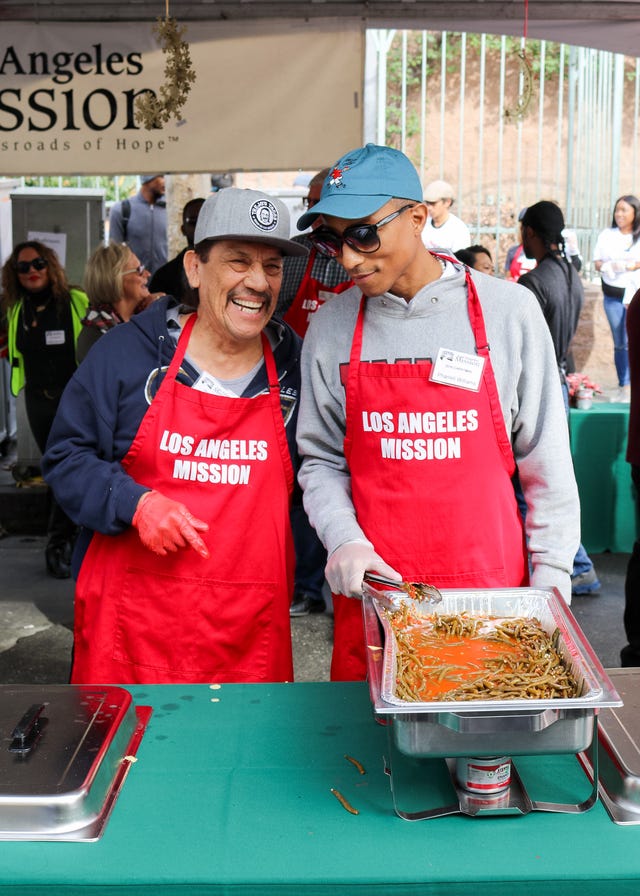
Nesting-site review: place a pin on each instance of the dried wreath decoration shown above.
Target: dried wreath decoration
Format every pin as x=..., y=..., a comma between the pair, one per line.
x=525, y=76
x=153, y=111
x=525, y=70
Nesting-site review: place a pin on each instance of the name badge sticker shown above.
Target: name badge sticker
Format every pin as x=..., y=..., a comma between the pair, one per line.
x=453, y=368
x=208, y=383
x=54, y=337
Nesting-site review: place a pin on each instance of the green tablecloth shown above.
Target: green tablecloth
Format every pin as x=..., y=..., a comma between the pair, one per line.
x=598, y=445
x=231, y=795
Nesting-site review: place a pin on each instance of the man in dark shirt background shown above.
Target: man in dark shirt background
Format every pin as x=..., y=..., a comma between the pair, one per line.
x=170, y=279
x=556, y=284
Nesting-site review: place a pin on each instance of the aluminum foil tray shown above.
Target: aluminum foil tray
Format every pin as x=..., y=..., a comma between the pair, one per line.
x=491, y=727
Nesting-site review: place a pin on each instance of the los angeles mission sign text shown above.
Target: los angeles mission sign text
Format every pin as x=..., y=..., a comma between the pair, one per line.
x=66, y=106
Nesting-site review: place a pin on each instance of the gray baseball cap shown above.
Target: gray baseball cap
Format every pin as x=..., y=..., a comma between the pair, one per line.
x=248, y=216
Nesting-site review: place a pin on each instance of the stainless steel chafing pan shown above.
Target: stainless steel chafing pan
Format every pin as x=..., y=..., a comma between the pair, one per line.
x=65, y=751
x=491, y=727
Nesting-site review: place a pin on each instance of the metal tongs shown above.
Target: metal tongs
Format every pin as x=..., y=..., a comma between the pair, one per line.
x=418, y=591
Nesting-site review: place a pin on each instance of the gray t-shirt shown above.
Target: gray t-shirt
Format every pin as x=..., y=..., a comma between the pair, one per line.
x=236, y=386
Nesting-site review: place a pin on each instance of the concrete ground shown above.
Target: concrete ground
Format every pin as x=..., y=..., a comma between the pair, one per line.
x=36, y=610
x=36, y=619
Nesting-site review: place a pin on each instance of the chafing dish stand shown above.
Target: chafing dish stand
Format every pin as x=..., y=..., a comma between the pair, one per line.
x=417, y=783
x=426, y=740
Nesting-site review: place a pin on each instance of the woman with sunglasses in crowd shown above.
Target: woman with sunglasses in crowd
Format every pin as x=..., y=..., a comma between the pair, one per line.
x=116, y=284
x=44, y=318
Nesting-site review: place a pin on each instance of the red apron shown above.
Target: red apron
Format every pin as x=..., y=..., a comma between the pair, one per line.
x=310, y=296
x=434, y=494
x=142, y=618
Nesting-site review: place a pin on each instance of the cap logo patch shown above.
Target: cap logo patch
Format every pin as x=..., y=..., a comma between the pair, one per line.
x=335, y=178
x=264, y=215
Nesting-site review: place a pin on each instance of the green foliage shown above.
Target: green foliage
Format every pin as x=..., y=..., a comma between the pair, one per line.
x=493, y=47
x=394, y=85
x=394, y=125
x=126, y=184
x=453, y=44
x=453, y=48
x=414, y=60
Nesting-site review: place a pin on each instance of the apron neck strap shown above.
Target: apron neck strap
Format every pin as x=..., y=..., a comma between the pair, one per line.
x=270, y=363
x=473, y=304
x=181, y=348
x=183, y=342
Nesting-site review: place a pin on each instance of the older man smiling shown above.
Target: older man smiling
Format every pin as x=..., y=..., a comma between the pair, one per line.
x=173, y=449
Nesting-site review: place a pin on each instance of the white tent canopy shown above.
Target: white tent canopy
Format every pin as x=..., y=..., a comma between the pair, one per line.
x=605, y=24
x=280, y=83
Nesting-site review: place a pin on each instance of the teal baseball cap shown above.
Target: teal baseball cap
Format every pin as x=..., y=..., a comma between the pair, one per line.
x=364, y=180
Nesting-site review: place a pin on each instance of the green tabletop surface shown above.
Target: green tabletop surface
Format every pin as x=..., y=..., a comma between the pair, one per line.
x=231, y=794
x=598, y=446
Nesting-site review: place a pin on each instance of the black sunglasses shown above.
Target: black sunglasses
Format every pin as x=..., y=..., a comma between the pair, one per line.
x=38, y=264
x=360, y=237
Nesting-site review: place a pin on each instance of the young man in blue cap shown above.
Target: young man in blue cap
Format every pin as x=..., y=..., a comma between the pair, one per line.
x=419, y=397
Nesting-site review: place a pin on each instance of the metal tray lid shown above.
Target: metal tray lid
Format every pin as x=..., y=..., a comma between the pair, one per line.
x=619, y=751
x=620, y=727
x=64, y=753
x=546, y=605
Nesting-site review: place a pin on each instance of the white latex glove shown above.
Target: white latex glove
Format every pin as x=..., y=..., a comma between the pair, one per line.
x=348, y=563
x=606, y=268
x=619, y=266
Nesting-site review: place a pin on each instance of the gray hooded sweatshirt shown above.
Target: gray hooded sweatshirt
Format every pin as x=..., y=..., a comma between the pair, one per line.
x=524, y=363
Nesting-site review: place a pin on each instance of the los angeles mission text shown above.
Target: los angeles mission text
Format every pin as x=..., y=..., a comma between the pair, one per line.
x=66, y=106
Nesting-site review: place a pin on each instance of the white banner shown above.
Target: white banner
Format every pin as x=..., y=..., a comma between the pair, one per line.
x=276, y=96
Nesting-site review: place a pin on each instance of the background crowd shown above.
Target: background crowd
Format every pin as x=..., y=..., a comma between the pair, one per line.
x=225, y=350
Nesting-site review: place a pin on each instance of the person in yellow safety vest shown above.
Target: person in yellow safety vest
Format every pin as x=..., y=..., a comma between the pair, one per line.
x=44, y=318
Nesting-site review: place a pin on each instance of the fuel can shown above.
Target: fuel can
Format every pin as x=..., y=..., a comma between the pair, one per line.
x=487, y=775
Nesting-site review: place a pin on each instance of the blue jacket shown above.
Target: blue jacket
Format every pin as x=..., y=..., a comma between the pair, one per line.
x=103, y=405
